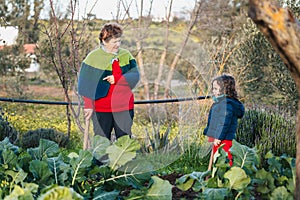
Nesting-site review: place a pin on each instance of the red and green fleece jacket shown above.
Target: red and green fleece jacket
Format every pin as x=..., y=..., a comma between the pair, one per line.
x=106, y=97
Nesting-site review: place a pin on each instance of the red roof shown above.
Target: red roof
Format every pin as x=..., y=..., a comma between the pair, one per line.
x=29, y=48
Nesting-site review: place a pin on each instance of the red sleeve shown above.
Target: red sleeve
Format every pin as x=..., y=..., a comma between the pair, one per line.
x=88, y=103
x=117, y=78
x=117, y=72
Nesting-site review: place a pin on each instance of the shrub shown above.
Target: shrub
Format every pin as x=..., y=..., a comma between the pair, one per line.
x=6, y=130
x=268, y=130
x=32, y=137
x=29, y=117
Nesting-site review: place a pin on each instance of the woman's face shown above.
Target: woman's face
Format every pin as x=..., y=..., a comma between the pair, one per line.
x=113, y=45
x=216, y=89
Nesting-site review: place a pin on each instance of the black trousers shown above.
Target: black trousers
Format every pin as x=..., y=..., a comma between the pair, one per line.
x=121, y=122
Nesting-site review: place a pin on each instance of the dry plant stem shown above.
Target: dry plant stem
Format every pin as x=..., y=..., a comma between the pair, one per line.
x=283, y=32
x=86, y=138
x=211, y=159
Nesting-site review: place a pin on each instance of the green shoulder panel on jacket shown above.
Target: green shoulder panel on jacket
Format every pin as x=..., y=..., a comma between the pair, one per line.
x=103, y=60
x=124, y=57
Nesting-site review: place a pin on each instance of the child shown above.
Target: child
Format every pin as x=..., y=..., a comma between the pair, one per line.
x=223, y=115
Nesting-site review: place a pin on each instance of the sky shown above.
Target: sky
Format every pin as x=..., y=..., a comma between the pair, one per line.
x=104, y=9
x=107, y=9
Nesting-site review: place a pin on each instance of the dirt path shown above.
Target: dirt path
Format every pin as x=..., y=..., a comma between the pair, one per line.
x=46, y=91
x=37, y=92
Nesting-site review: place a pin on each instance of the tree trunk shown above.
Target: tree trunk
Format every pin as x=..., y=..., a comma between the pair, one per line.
x=283, y=32
x=164, y=53
x=142, y=31
x=194, y=17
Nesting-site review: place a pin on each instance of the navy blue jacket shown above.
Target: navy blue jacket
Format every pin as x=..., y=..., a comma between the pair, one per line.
x=223, y=118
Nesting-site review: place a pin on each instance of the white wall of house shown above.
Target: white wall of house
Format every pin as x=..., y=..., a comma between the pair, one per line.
x=34, y=65
x=8, y=35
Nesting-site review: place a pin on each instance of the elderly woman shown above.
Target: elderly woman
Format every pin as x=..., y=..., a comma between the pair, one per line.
x=106, y=79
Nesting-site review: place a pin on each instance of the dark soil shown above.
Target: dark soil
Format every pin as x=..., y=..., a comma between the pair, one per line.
x=178, y=194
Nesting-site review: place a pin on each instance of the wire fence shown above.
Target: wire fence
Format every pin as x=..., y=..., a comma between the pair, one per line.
x=12, y=100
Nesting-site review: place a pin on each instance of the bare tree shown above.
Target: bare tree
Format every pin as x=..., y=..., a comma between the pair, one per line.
x=194, y=16
x=141, y=34
x=61, y=33
x=57, y=59
x=283, y=32
x=164, y=53
x=144, y=22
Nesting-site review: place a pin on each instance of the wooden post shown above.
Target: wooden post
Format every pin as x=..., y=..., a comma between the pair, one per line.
x=86, y=138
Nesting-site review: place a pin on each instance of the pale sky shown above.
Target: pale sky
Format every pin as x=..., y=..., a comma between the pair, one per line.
x=107, y=9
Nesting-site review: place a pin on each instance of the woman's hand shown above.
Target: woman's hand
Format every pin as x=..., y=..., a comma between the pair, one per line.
x=217, y=142
x=88, y=113
x=110, y=79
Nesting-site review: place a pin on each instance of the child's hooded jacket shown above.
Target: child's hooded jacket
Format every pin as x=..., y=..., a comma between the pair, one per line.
x=223, y=118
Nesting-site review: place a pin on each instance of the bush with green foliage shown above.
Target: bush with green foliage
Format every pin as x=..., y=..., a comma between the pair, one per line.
x=261, y=74
x=30, y=118
x=32, y=138
x=268, y=130
x=6, y=130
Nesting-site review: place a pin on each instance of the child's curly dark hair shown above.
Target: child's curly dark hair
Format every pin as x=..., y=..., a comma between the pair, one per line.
x=227, y=85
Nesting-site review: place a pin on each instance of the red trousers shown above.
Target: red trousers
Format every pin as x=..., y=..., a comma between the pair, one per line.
x=226, y=147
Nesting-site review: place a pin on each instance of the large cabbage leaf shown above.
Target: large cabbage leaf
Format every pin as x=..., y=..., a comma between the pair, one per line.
x=80, y=165
x=159, y=190
x=59, y=193
x=244, y=157
x=122, y=151
x=45, y=149
x=98, y=146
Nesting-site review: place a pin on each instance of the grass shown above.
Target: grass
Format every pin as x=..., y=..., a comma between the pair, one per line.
x=26, y=117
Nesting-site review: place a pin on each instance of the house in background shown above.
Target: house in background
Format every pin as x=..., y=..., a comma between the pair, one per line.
x=8, y=37
x=34, y=66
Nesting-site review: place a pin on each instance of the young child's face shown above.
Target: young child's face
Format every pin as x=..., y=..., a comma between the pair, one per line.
x=216, y=89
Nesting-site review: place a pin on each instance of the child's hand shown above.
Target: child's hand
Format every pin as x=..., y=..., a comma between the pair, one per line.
x=217, y=142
